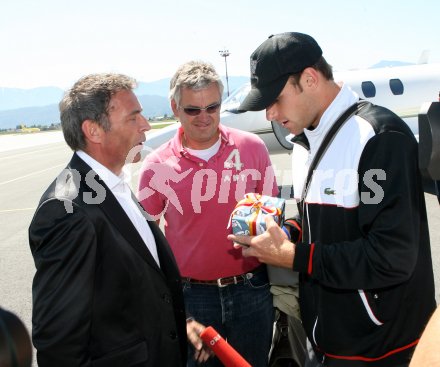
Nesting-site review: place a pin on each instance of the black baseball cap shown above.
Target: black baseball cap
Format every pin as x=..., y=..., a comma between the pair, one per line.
x=272, y=63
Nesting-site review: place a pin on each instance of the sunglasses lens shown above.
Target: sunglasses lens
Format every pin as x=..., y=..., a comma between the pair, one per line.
x=194, y=111
x=213, y=108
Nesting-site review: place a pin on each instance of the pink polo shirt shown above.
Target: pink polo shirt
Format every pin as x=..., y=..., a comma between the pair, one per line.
x=197, y=197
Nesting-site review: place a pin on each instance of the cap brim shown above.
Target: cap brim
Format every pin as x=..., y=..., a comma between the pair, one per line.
x=259, y=98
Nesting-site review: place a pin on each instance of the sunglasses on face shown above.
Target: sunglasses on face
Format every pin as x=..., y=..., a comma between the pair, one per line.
x=194, y=111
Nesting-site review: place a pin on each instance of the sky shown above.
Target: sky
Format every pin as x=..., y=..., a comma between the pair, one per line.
x=55, y=42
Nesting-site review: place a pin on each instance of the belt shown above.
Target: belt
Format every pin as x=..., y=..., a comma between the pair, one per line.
x=223, y=282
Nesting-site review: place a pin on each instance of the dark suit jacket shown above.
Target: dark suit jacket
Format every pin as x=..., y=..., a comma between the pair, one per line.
x=99, y=298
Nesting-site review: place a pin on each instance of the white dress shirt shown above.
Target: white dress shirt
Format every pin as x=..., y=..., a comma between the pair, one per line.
x=121, y=190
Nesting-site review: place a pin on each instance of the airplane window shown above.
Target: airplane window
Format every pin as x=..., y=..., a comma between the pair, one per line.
x=234, y=100
x=396, y=86
x=368, y=89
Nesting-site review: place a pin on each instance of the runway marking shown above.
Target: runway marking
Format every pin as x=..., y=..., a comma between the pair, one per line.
x=30, y=152
x=32, y=174
x=15, y=210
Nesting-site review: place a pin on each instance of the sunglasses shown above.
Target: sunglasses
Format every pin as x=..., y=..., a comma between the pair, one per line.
x=195, y=111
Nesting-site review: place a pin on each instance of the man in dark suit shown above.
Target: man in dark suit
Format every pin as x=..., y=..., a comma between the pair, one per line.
x=107, y=290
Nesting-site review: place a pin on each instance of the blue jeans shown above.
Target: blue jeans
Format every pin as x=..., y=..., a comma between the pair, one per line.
x=242, y=313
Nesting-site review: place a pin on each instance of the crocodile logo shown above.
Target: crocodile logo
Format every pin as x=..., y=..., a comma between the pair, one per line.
x=329, y=191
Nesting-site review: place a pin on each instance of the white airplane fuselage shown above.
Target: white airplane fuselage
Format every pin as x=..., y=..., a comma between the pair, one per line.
x=402, y=89
x=420, y=83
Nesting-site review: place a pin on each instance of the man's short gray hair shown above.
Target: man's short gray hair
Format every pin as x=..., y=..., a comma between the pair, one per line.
x=193, y=75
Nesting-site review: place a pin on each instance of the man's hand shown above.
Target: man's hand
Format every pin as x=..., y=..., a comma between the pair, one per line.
x=271, y=247
x=193, y=331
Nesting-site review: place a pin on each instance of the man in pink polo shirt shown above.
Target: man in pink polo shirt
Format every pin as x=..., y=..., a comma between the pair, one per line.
x=194, y=181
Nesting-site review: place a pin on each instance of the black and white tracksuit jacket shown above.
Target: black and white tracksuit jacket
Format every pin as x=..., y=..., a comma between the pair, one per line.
x=366, y=278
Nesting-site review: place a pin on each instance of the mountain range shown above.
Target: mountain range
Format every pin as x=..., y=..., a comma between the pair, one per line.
x=39, y=106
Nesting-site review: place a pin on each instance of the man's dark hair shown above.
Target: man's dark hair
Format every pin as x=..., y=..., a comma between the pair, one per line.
x=89, y=99
x=321, y=65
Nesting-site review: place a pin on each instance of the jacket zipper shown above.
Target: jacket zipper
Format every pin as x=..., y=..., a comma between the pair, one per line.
x=367, y=307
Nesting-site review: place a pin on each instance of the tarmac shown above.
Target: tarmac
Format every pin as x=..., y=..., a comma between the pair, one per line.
x=29, y=162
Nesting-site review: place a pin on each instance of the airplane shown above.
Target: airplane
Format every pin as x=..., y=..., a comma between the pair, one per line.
x=402, y=89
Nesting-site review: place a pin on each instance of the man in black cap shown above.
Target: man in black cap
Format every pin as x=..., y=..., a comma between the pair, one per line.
x=366, y=279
